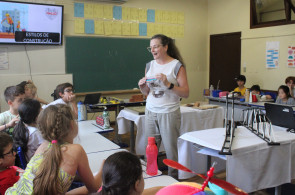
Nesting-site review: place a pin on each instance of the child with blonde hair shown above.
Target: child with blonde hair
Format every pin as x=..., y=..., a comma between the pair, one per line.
x=53, y=167
x=31, y=91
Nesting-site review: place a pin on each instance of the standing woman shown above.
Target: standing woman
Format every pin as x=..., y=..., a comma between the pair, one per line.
x=165, y=82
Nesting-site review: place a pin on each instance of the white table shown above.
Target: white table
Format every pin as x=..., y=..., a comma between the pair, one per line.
x=162, y=180
x=92, y=141
x=96, y=160
x=254, y=165
x=90, y=126
x=191, y=118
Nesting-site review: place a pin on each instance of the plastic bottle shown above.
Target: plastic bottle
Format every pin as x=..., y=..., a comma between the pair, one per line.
x=247, y=95
x=211, y=90
x=250, y=98
x=106, y=118
x=151, y=157
x=82, y=114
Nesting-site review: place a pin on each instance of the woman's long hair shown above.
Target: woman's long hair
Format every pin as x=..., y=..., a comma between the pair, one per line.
x=120, y=173
x=54, y=123
x=172, y=49
x=28, y=112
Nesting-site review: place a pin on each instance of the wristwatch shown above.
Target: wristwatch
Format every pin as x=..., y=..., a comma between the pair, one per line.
x=171, y=86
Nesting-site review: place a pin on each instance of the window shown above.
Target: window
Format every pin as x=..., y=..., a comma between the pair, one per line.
x=265, y=13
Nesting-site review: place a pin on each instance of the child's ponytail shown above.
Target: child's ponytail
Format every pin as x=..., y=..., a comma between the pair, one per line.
x=55, y=124
x=21, y=136
x=28, y=112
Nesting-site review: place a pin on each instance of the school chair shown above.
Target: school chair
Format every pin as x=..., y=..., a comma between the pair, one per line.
x=22, y=159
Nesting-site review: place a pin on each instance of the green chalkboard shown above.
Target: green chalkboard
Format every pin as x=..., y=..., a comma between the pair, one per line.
x=106, y=64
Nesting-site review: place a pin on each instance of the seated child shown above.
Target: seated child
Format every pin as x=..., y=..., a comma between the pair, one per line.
x=255, y=89
x=65, y=94
x=31, y=91
x=9, y=174
x=241, y=81
x=53, y=167
x=284, y=96
x=290, y=82
x=121, y=174
x=14, y=96
x=25, y=134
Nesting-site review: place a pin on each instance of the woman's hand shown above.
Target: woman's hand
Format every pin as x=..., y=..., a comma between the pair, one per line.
x=142, y=82
x=163, y=78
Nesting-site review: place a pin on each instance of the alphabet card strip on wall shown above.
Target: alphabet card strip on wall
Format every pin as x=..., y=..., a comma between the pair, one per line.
x=101, y=19
x=291, y=57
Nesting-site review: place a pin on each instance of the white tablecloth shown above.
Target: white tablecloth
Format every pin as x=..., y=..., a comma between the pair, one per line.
x=254, y=164
x=191, y=118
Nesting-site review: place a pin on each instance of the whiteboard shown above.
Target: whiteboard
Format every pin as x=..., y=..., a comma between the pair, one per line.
x=45, y=85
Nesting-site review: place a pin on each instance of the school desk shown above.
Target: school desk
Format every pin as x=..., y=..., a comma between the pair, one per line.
x=191, y=118
x=253, y=165
x=90, y=126
x=113, y=107
x=94, y=142
x=162, y=180
x=238, y=106
x=96, y=159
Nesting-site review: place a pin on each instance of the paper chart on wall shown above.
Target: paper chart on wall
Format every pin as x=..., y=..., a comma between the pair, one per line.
x=272, y=54
x=291, y=56
x=4, y=59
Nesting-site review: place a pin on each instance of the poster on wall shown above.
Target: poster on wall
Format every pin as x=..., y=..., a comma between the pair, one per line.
x=3, y=59
x=272, y=54
x=291, y=57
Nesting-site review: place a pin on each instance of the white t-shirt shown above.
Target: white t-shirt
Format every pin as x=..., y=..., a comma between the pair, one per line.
x=6, y=117
x=169, y=101
x=35, y=140
x=58, y=101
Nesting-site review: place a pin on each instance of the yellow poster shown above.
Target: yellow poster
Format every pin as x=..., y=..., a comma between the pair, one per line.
x=98, y=11
x=166, y=17
x=108, y=12
x=98, y=27
x=126, y=28
x=173, y=17
x=126, y=13
x=150, y=29
x=158, y=29
x=134, y=14
x=79, y=26
x=88, y=10
x=159, y=16
x=180, y=31
x=142, y=15
x=134, y=28
x=180, y=18
x=107, y=27
x=117, y=28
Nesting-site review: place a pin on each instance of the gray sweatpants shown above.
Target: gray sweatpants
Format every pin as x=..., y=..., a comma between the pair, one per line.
x=164, y=127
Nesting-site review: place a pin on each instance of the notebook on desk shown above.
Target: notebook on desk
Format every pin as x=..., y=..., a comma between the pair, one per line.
x=91, y=99
x=280, y=115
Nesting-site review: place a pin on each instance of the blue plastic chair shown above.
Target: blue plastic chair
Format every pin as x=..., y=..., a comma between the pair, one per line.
x=22, y=159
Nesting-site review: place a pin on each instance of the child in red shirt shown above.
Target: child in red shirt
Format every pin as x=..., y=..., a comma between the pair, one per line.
x=9, y=174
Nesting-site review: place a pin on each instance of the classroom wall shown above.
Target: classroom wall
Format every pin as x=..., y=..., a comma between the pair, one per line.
x=50, y=60
x=226, y=16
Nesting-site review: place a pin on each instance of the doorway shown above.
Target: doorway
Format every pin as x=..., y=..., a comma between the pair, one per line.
x=225, y=60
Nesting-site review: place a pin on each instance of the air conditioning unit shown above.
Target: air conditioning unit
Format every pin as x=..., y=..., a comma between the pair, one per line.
x=112, y=1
